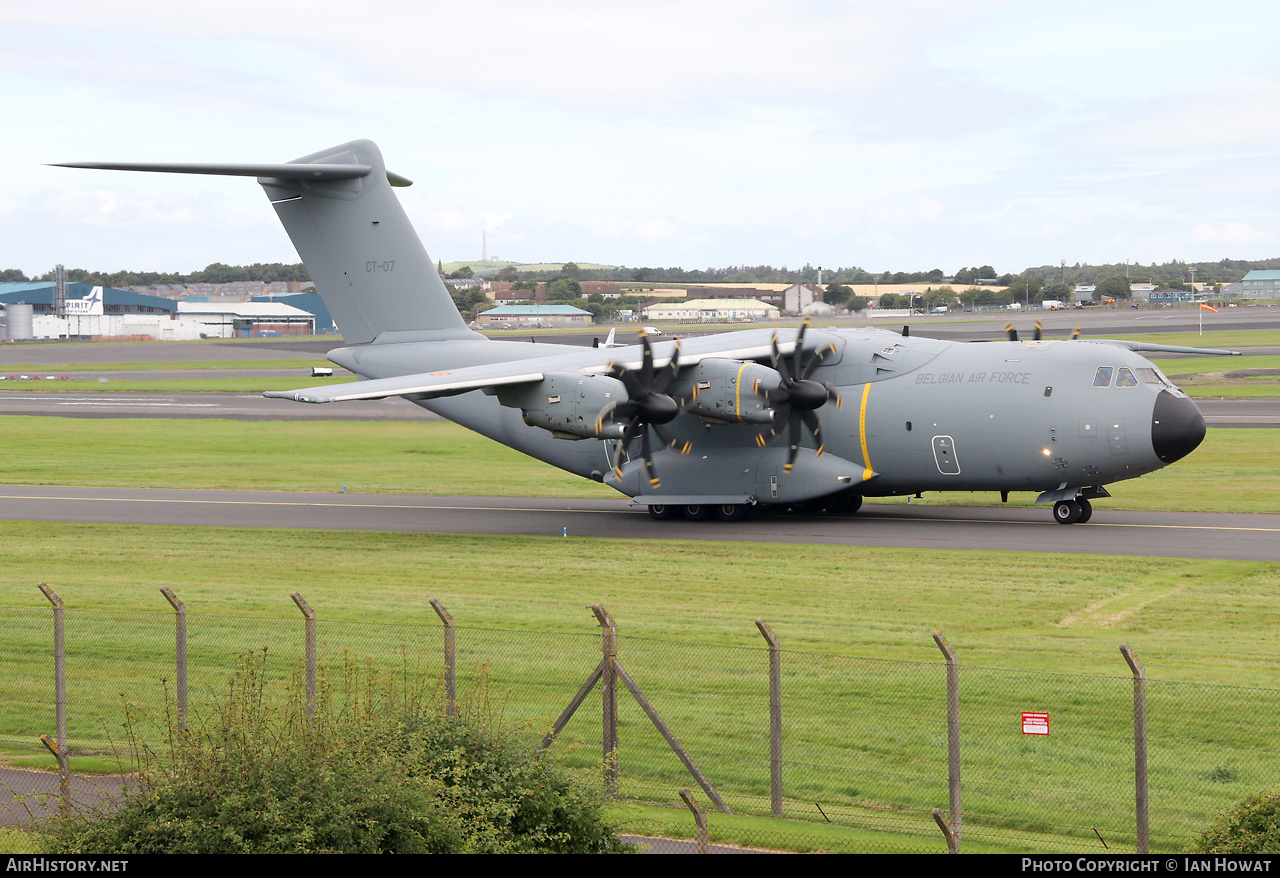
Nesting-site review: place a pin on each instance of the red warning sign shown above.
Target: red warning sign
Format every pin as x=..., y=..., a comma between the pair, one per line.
x=1035, y=723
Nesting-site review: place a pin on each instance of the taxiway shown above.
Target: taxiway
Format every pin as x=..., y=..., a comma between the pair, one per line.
x=1016, y=529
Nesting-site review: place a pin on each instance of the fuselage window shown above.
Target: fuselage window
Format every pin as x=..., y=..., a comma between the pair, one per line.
x=1102, y=378
x=1125, y=379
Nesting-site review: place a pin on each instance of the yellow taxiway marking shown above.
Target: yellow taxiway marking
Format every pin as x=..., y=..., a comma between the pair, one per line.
x=874, y=517
x=570, y=508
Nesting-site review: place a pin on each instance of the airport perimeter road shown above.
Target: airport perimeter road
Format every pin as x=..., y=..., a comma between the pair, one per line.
x=233, y=406
x=1153, y=534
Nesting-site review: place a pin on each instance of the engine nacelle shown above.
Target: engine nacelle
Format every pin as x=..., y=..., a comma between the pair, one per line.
x=727, y=390
x=569, y=404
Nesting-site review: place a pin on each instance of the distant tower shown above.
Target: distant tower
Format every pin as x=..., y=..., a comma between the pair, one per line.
x=60, y=291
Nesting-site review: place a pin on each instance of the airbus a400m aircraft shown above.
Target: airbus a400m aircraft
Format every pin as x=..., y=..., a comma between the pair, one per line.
x=716, y=425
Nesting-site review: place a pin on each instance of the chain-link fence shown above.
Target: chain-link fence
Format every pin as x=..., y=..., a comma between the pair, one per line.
x=785, y=749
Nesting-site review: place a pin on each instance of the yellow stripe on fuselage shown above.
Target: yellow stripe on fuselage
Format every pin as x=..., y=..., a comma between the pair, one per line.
x=737, y=393
x=862, y=425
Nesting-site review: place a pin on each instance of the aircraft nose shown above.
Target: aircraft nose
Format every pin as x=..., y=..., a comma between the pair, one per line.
x=1177, y=427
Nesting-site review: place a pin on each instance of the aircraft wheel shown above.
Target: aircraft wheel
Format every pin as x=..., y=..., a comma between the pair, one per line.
x=1086, y=511
x=659, y=512
x=732, y=511
x=847, y=505
x=697, y=512
x=1067, y=511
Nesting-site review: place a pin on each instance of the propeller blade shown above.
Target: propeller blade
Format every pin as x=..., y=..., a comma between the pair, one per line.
x=781, y=415
x=818, y=357
x=794, y=427
x=1075, y=335
x=646, y=364
x=799, y=351
x=811, y=421
x=1013, y=333
x=648, y=458
x=1037, y=335
x=679, y=446
x=669, y=373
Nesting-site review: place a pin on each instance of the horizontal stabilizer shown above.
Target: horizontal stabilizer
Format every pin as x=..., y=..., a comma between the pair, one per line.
x=280, y=171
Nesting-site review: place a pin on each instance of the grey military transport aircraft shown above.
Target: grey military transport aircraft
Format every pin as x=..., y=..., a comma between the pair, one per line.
x=715, y=426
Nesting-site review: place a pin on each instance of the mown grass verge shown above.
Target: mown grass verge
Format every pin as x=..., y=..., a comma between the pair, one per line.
x=864, y=717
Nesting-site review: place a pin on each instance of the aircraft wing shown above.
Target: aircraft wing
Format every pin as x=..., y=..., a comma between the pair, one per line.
x=428, y=385
x=1141, y=346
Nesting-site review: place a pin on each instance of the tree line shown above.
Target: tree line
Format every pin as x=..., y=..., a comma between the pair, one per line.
x=1164, y=275
x=216, y=273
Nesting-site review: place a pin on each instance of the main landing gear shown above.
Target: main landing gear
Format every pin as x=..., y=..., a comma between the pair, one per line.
x=1076, y=511
x=699, y=512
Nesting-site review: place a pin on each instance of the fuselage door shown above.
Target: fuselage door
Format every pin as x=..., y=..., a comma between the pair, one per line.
x=944, y=455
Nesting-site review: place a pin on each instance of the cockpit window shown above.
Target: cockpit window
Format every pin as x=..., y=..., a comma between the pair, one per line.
x=1151, y=376
x=1126, y=379
x=1102, y=378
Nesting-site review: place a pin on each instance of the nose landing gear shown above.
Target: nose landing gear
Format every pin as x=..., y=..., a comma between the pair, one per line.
x=1076, y=511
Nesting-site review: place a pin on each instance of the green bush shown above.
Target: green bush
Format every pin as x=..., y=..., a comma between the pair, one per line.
x=1252, y=827
x=377, y=767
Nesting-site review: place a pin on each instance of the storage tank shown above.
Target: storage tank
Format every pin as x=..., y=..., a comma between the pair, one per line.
x=19, y=324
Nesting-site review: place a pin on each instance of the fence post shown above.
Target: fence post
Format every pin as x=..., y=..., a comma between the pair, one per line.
x=180, y=651
x=775, y=718
x=953, y=846
x=953, y=734
x=1139, y=749
x=699, y=818
x=450, y=658
x=59, y=695
x=310, y=615
x=609, y=691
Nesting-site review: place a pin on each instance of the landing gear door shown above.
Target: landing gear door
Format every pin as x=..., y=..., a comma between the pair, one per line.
x=944, y=455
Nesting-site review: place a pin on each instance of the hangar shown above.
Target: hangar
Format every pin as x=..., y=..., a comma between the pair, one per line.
x=30, y=313
x=712, y=311
x=534, y=315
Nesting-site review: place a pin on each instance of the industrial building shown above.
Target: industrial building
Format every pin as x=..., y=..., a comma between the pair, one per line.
x=712, y=311
x=30, y=312
x=1261, y=284
x=534, y=315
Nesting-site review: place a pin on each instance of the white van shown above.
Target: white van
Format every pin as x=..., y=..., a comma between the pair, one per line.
x=653, y=331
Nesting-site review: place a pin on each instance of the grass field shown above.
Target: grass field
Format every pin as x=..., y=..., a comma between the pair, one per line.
x=862, y=677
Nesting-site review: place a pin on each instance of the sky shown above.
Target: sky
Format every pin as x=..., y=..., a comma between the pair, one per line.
x=900, y=136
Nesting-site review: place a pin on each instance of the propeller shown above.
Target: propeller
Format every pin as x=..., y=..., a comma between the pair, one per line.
x=647, y=405
x=795, y=400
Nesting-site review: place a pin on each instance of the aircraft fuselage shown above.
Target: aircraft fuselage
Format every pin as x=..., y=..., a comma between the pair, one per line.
x=915, y=415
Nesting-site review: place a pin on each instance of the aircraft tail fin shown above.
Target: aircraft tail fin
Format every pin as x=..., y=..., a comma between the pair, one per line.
x=361, y=250
x=354, y=238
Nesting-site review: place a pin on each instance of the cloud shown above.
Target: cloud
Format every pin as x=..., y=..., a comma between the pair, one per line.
x=1233, y=237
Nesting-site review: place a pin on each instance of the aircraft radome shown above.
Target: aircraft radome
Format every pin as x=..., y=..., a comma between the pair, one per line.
x=717, y=425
